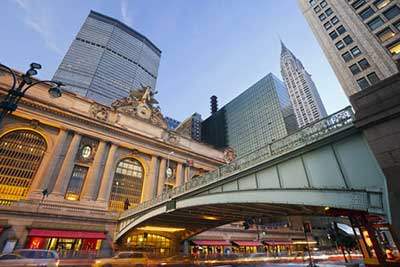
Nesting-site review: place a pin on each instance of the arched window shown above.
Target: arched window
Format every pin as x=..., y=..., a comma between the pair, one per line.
x=21, y=152
x=127, y=184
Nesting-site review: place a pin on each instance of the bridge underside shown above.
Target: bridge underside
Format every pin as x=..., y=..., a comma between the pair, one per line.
x=204, y=217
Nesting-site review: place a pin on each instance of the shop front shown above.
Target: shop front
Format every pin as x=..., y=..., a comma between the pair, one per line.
x=278, y=247
x=210, y=247
x=247, y=247
x=66, y=242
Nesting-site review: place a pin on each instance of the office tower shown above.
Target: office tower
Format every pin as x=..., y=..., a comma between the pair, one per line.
x=107, y=59
x=360, y=38
x=191, y=127
x=171, y=122
x=258, y=116
x=303, y=93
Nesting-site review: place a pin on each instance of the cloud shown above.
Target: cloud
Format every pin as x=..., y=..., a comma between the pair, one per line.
x=126, y=18
x=38, y=19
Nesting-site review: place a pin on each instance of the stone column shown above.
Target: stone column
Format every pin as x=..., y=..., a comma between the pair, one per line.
x=179, y=175
x=92, y=181
x=150, y=182
x=49, y=162
x=66, y=169
x=187, y=173
x=161, y=176
x=108, y=175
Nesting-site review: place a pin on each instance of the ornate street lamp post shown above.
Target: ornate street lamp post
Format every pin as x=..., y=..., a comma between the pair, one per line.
x=10, y=102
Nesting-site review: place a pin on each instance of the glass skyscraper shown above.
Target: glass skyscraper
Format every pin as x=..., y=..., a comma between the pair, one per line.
x=107, y=59
x=258, y=116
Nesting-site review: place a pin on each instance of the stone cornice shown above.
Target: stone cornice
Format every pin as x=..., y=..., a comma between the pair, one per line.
x=31, y=105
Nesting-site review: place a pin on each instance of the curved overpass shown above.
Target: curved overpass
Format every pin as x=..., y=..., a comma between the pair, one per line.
x=328, y=164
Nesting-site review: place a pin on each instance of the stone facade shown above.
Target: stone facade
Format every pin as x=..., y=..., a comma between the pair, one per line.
x=96, y=138
x=325, y=17
x=378, y=115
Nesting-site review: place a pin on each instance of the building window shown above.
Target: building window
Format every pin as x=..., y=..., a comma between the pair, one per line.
x=354, y=69
x=76, y=182
x=397, y=25
x=313, y=2
x=347, y=57
x=347, y=40
x=341, y=29
x=366, y=13
x=392, y=12
x=375, y=23
x=373, y=78
x=340, y=45
x=317, y=9
x=363, y=83
x=364, y=64
x=328, y=12
x=327, y=25
x=322, y=17
x=395, y=48
x=386, y=34
x=333, y=35
x=358, y=3
x=323, y=4
x=381, y=3
x=355, y=51
x=127, y=184
x=334, y=20
x=21, y=152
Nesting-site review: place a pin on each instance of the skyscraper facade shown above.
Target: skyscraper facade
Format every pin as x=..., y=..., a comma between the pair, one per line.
x=107, y=59
x=360, y=38
x=258, y=116
x=306, y=102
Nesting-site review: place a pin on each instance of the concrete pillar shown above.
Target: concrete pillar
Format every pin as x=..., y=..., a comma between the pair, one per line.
x=179, y=175
x=49, y=162
x=377, y=113
x=91, y=185
x=150, y=181
x=108, y=175
x=66, y=169
x=161, y=176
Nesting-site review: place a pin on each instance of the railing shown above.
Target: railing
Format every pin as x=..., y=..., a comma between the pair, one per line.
x=321, y=129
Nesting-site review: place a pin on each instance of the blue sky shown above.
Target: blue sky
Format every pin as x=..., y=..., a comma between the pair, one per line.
x=208, y=47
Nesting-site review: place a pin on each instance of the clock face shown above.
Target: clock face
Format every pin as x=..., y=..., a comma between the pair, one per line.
x=86, y=152
x=143, y=111
x=169, y=172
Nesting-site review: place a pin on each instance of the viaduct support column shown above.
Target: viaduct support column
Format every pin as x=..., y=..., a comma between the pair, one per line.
x=378, y=116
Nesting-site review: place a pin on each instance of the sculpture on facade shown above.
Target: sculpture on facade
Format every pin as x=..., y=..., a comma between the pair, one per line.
x=141, y=104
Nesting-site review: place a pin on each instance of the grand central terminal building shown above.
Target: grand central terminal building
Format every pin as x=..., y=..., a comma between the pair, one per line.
x=69, y=166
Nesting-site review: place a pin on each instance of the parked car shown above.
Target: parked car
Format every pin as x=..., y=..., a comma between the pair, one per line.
x=30, y=257
x=124, y=258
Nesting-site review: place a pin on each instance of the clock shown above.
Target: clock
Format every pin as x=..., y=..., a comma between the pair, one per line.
x=169, y=172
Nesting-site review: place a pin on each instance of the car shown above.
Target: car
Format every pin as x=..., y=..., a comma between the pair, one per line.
x=124, y=258
x=175, y=261
x=30, y=257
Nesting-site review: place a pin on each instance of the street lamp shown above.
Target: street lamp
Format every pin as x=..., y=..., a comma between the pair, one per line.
x=16, y=92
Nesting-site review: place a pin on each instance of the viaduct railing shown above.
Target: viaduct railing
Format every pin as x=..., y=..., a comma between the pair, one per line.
x=319, y=130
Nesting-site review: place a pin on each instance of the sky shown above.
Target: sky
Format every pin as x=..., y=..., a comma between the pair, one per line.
x=209, y=47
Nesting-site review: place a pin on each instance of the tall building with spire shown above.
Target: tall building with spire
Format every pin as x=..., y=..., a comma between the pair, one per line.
x=306, y=102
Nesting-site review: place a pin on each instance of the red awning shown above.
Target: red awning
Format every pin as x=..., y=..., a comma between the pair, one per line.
x=211, y=242
x=275, y=242
x=66, y=234
x=245, y=243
